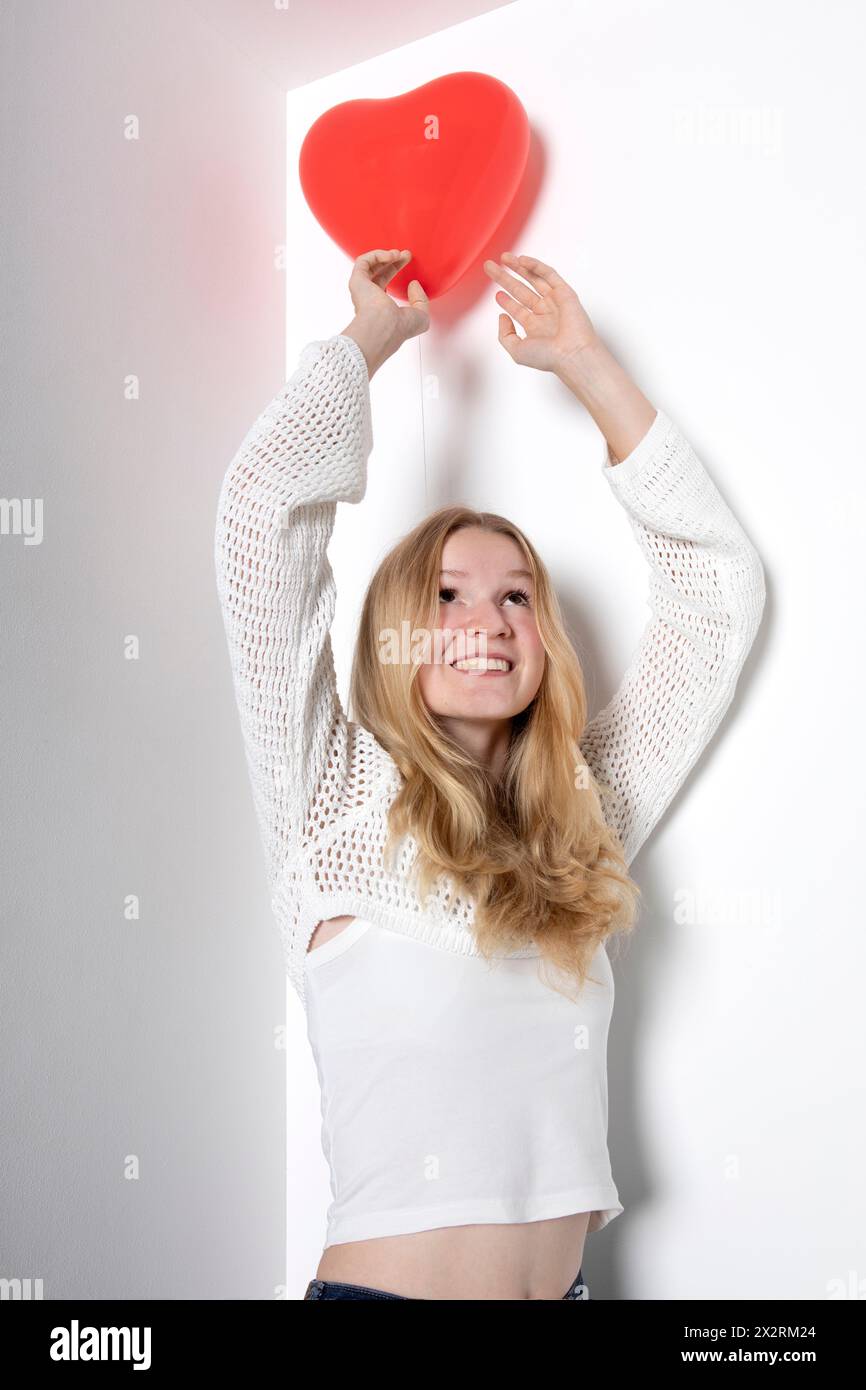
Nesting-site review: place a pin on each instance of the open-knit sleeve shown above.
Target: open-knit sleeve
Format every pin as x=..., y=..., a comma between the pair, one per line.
x=307, y=451
x=706, y=598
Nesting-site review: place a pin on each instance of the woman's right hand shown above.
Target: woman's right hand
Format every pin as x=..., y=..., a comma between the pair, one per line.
x=380, y=324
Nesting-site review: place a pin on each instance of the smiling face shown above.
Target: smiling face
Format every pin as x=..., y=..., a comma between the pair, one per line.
x=486, y=603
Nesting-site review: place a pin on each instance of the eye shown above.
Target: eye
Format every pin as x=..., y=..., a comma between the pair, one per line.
x=447, y=595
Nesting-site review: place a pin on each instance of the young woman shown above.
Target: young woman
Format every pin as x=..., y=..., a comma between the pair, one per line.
x=446, y=868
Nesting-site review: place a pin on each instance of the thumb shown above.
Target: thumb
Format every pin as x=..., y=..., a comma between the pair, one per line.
x=417, y=311
x=416, y=296
x=509, y=337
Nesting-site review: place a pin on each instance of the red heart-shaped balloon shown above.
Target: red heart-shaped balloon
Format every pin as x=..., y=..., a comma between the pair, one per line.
x=434, y=170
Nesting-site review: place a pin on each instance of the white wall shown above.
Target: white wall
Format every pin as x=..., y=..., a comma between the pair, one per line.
x=692, y=177
x=151, y=1038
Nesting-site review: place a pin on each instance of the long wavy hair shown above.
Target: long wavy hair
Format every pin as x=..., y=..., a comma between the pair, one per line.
x=531, y=850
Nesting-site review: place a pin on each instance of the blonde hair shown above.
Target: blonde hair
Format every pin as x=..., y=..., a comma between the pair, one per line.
x=532, y=851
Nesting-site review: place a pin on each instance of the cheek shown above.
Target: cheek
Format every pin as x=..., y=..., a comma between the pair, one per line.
x=532, y=647
x=429, y=679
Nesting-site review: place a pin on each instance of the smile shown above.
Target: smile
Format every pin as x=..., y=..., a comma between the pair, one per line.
x=479, y=665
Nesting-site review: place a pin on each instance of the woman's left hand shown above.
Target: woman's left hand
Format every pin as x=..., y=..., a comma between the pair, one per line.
x=556, y=325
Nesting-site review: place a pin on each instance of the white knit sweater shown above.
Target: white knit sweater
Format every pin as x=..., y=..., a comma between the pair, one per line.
x=322, y=785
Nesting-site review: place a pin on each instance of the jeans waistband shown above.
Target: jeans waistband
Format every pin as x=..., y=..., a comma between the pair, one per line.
x=328, y=1289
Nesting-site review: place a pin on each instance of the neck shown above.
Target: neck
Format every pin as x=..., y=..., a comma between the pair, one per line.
x=485, y=741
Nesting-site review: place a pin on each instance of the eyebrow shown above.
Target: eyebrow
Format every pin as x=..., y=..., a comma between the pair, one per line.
x=512, y=574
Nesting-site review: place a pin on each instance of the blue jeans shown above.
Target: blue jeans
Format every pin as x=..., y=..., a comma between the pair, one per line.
x=321, y=1288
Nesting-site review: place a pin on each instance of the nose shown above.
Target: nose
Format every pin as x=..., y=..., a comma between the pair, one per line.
x=482, y=623
x=486, y=618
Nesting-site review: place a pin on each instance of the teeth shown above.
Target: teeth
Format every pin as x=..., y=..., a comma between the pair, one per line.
x=480, y=663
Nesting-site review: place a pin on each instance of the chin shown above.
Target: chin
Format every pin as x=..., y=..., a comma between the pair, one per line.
x=477, y=709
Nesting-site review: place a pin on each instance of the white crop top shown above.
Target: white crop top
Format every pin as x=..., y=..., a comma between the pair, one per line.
x=454, y=1090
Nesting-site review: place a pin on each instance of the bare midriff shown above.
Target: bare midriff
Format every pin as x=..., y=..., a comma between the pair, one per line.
x=531, y=1259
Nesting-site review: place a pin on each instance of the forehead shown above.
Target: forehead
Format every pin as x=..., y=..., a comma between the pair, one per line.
x=476, y=551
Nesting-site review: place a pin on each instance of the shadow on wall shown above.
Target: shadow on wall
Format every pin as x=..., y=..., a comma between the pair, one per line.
x=641, y=973
x=454, y=305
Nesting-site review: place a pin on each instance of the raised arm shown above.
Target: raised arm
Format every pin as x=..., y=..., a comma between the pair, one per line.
x=706, y=597
x=706, y=589
x=307, y=451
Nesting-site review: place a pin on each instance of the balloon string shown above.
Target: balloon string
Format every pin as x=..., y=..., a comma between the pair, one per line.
x=423, y=429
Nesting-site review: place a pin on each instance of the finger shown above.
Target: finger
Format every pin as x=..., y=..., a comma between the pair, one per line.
x=417, y=311
x=516, y=310
x=416, y=294
x=517, y=289
x=369, y=257
x=392, y=267
x=508, y=336
x=546, y=273
x=535, y=280
x=372, y=262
